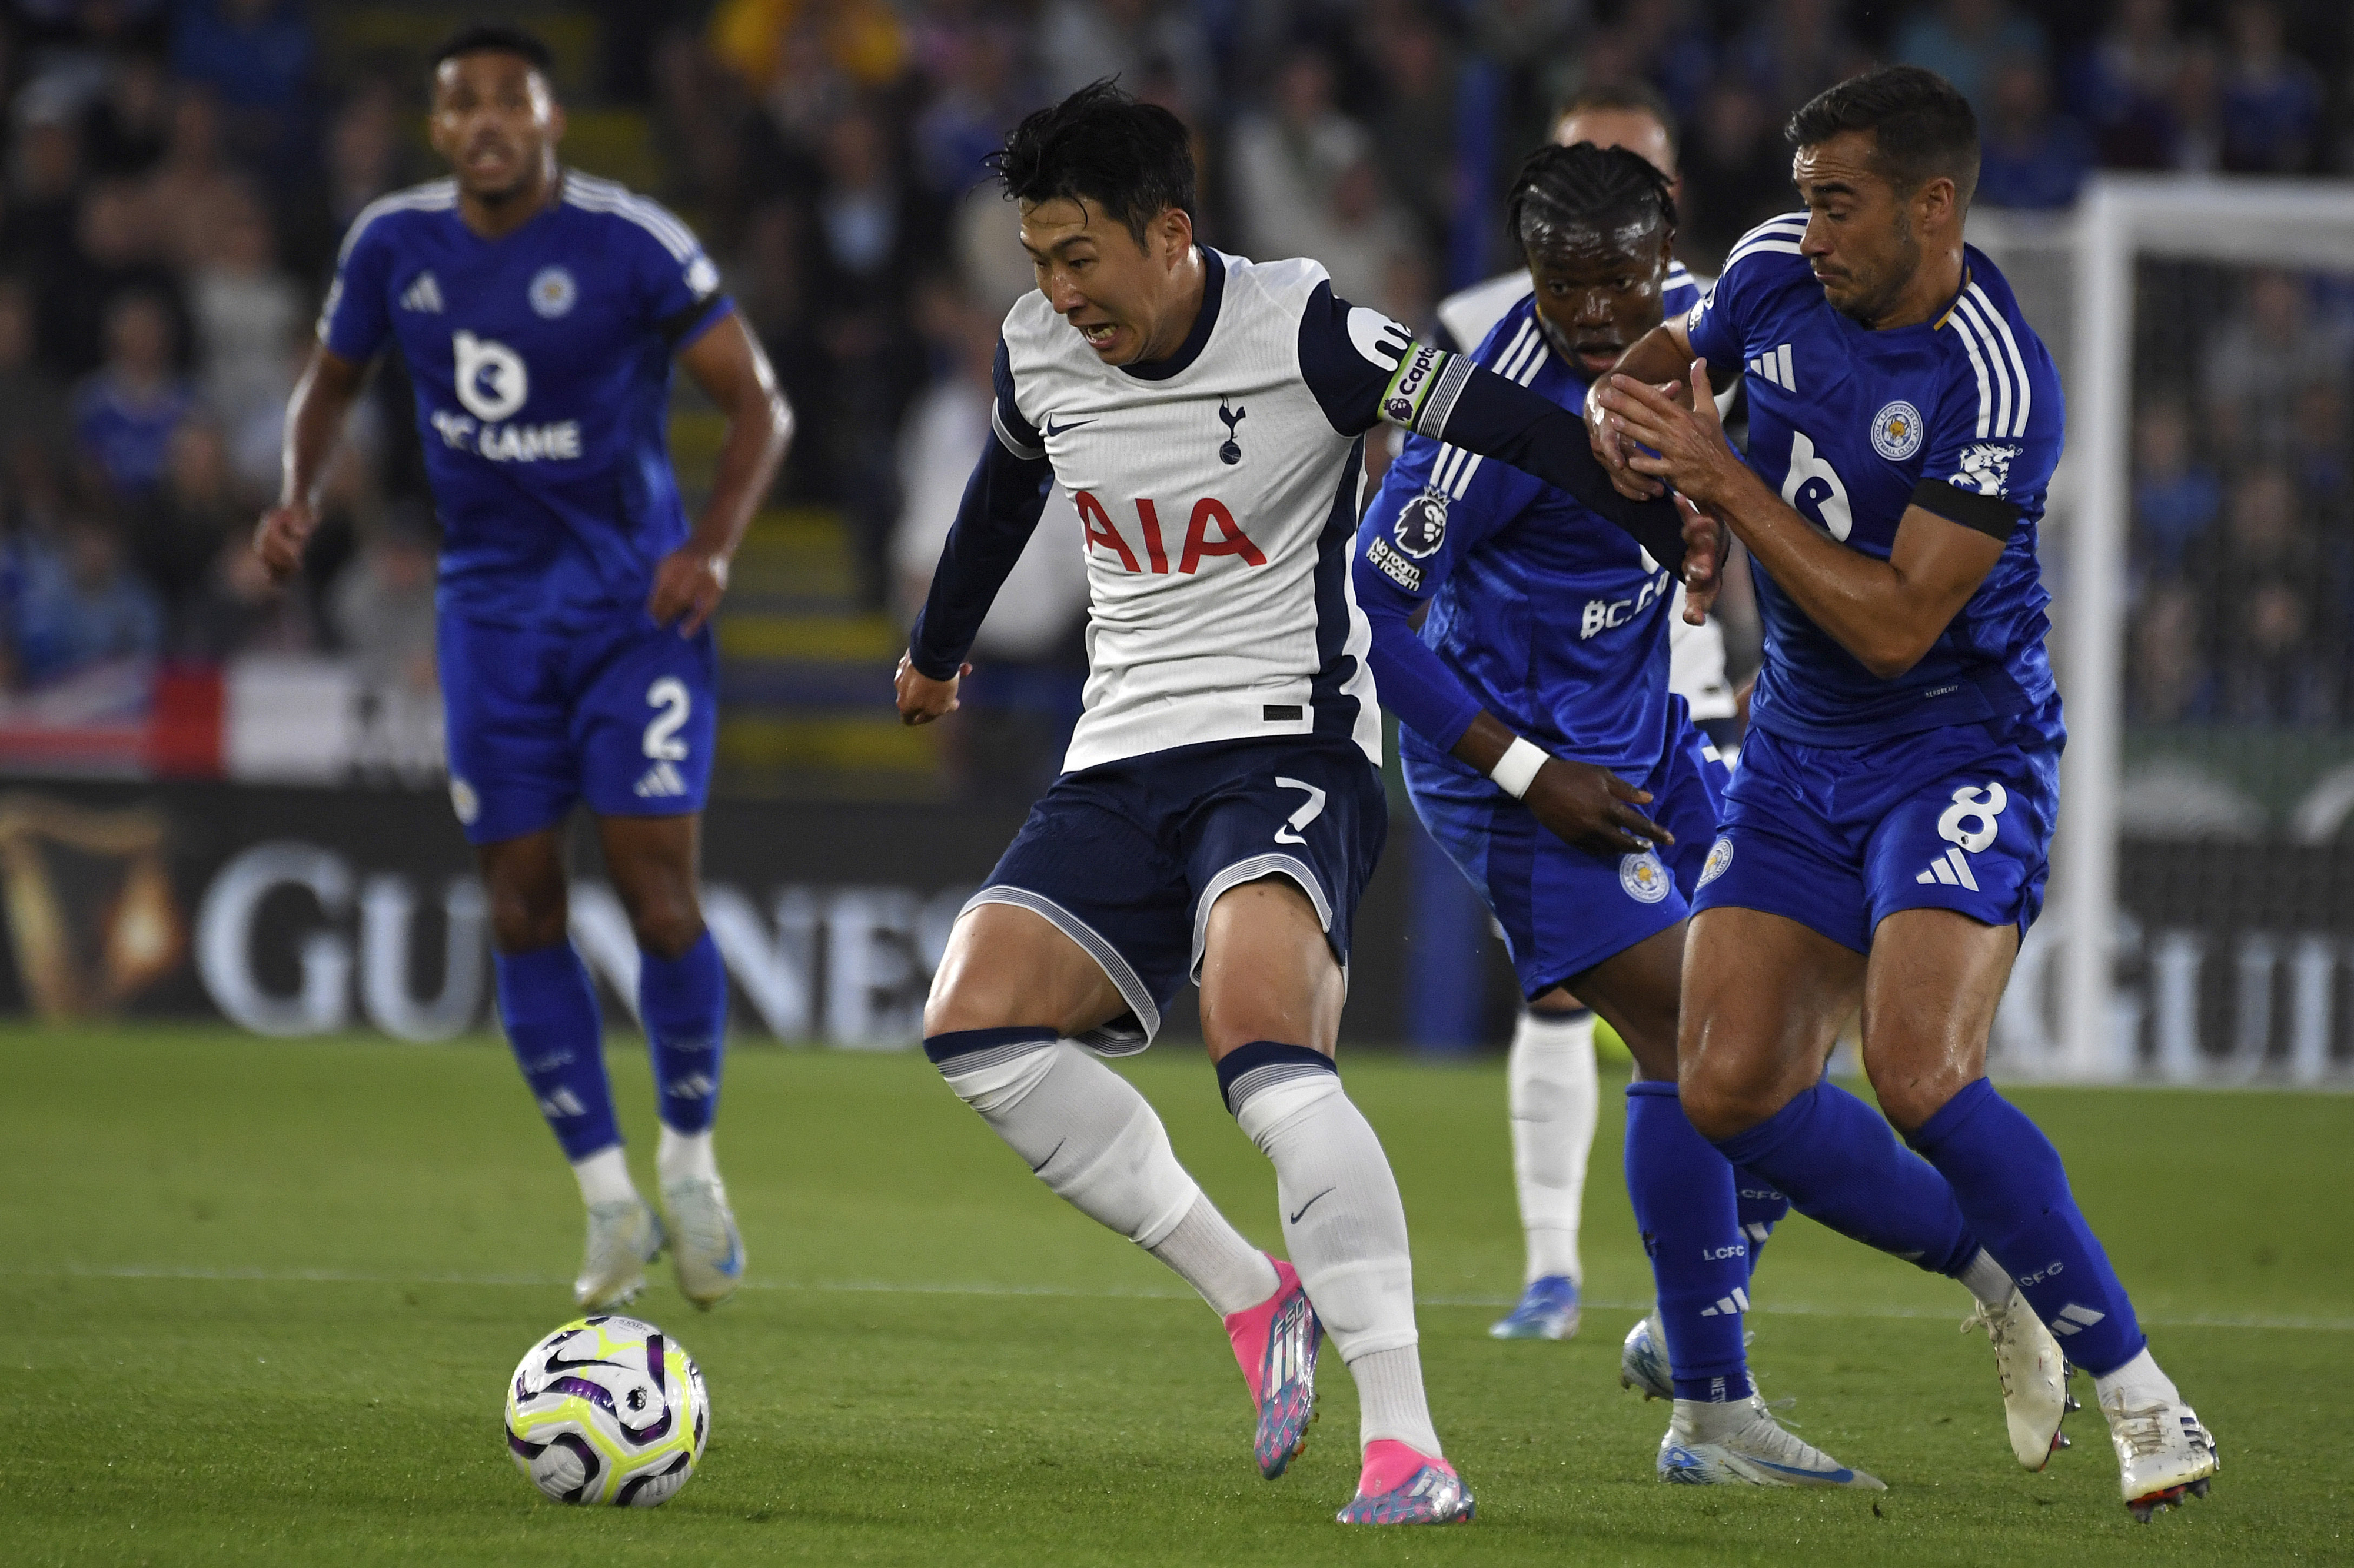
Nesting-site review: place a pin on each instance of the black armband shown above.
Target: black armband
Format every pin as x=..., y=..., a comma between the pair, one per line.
x=1989, y=514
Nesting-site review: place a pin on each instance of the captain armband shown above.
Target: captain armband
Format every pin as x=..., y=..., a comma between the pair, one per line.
x=1422, y=391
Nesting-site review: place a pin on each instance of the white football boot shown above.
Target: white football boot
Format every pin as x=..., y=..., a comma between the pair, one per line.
x=1741, y=1443
x=2163, y=1453
x=2034, y=1378
x=623, y=1238
x=1643, y=1359
x=705, y=1246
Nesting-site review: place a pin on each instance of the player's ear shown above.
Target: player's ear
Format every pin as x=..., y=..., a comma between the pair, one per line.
x=1176, y=235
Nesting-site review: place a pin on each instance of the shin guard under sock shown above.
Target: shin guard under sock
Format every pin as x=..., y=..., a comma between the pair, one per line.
x=549, y=1010
x=1840, y=1161
x=1684, y=1206
x=683, y=1002
x=2009, y=1181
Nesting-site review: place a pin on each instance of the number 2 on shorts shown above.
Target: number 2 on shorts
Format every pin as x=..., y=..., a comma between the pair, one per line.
x=669, y=694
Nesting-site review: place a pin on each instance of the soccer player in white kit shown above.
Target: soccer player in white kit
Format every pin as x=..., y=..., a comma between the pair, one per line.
x=1221, y=806
x=1554, y=1089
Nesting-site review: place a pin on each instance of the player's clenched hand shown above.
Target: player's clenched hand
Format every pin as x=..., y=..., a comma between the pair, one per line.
x=1593, y=808
x=1685, y=435
x=1611, y=451
x=280, y=537
x=1704, y=548
x=687, y=584
x=923, y=699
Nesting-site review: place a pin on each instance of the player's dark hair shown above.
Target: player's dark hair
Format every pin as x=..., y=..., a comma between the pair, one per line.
x=1636, y=97
x=494, y=38
x=1134, y=160
x=1921, y=127
x=1588, y=186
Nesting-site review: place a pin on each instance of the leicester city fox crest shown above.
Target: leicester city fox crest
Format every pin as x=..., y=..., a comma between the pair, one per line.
x=1421, y=525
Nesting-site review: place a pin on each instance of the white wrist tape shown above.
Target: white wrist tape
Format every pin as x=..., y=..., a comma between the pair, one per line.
x=1517, y=768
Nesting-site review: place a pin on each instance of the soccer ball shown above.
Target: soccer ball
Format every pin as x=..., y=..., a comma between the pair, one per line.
x=607, y=1410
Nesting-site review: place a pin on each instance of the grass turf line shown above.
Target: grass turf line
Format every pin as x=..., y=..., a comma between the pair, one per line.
x=334, y=1404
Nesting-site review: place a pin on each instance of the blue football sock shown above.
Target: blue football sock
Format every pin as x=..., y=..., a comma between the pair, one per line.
x=558, y=1036
x=1684, y=1206
x=1761, y=1207
x=683, y=1002
x=2010, y=1183
x=1841, y=1163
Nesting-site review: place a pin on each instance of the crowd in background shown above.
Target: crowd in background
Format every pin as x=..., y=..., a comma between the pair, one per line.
x=179, y=172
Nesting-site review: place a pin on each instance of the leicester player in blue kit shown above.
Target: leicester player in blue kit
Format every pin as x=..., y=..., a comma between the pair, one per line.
x=538, y=312
x=1885, y=840
x=1542, y=749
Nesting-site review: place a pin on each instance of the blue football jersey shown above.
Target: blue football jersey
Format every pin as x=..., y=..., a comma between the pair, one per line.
x=1962, y=415
x=1549, y=617
x=542, y=366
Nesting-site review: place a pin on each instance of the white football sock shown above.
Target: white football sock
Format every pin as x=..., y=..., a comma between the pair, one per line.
x=604, y=1177
x=2136, y=1385
x=1344, y=1226
x=1554, y=1097
x=685, y=1157
x=1212, y=1257
x=1985, y=1279
x=1085, y=1132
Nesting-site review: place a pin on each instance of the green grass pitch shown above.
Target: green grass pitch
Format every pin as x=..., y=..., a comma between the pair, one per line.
x=260, y=1298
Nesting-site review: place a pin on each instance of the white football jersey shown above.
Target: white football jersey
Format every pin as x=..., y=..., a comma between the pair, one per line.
x=1219, y=504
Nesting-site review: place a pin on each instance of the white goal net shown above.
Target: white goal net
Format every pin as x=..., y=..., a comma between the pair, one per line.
x=2201, y=556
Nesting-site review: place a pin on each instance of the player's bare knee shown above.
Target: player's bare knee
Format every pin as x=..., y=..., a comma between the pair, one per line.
x=1721, y=1104
x=667, y=927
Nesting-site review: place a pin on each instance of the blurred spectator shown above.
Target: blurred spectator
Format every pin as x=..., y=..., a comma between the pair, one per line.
x=255, y=54
x=32, y=403
x=2176, y=498
x=1289, y=157
x=173, y=540
x=1080, y=41
x=1736, y=173
x=1965, y=40
x=2315, y=450
x=786, y=44
x=1413, y=127
x=117, y=256
x=237, y=609
x=1795, y=49
x=2272, y=671
x=44, y=193
x=2262, y=357
x=1361, y=234
x=362, y=161
x=246, y=311
x=382, y=604
x=2031, y=157
x=2196, y=146
x=82, y=605
x=189, y=191
x=125, y=415
x=2271, y=100
x=122, y=131
x=980, y=98
x=2168, y=678
x=2131, y=83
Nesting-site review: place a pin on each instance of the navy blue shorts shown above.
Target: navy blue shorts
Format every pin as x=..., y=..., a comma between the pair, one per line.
x=1839, y=838
x=621, y=715
x=1128, y=857
x=1563, y=909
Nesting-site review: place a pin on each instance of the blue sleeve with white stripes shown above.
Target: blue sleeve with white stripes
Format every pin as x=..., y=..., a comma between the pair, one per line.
x=357, y=317
x=1995, y=434
x=1718, y=327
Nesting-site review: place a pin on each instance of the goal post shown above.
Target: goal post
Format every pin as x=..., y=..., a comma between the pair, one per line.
x=2079, y=278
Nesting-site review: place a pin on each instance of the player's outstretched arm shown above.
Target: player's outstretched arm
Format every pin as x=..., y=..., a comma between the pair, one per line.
x=1002, y=502
x=314, y=420
x=1657, y=357
x=728, y=364
x=1886, y=613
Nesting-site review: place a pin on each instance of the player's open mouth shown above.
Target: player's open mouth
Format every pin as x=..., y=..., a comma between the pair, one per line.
x=1599, y=357
x=1099, y=334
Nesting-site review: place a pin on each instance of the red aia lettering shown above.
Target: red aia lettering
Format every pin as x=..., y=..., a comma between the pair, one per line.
x=1098, y=523
x=1207, y=514
x=1153, y=550
x=1231, y=541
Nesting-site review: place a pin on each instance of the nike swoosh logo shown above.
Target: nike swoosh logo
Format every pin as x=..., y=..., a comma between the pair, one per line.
x=1054, y=429
x=1310, y=1204
x=1049, y=1159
